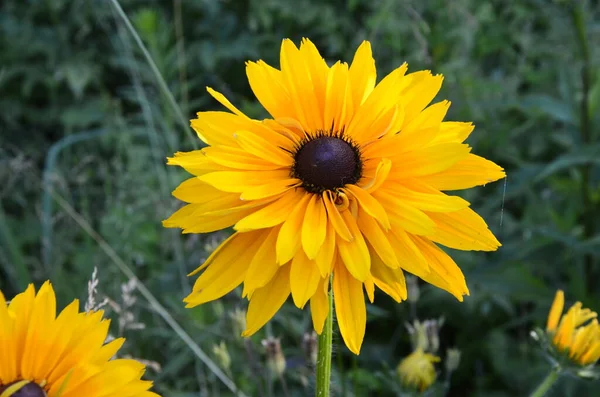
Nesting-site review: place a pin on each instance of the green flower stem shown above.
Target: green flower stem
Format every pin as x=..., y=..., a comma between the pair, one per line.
x=324, y=353
x=547, y=383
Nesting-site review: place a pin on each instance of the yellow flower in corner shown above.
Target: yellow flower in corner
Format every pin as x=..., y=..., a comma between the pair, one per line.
x=573, y=333
x=346, y=178
x=417, y=370
x=65, y=356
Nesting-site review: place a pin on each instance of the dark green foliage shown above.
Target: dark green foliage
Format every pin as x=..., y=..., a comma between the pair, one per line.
x=81, y=113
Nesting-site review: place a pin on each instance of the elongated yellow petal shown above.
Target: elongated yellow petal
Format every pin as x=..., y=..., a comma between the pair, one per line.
x=226, y=270
x=350, y=308
x=304, y=279
x=363, y=74
x=338, y=103
x=378, y=239
x=370, y=205
x=239, y=181
x=289, y=240
x=314, y=228
x=270, y=189
x=273, y=214
x=556, y=311
x=225, y=102
x=334, y=217
x=238, y=159
x=263, y=265
x=355, y=254
x=327, y=254
x=467, y=172
x=319, y=305
x=403, y=215
x=464, y=230
x=268, y=87
x=444, y=272
x=267, y=300
x=391, y=281
x=266, y=147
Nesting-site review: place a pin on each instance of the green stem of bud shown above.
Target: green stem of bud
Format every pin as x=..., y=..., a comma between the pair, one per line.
x=547, y=383
x=324, y=353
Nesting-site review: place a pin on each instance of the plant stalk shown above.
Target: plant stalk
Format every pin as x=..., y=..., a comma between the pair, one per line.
x=324, y=353
x=547, y=383
x=586, y=139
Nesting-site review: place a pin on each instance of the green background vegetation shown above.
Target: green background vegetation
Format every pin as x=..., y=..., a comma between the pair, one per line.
x=84, y=126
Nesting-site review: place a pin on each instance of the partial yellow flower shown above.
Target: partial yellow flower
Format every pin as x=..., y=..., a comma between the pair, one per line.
x=345, y=178
x=574, y=333
x=417, y=370
x=65, y=356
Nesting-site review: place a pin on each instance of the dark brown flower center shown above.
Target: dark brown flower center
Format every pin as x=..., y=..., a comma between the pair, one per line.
x=326, y=163
x=29, y=389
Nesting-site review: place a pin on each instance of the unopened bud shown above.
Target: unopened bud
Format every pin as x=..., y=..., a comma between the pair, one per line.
x=238, y=321
x=222, y=355
x=452, y=360
x=310, y=347
x=275, y=357
x=425, y=335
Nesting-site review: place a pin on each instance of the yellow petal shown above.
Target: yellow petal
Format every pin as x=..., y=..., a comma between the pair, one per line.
x=314, y=228
x=319, y=305
x=193, y=190
x=370, y=205
x=428, y=160
x=273, y=214
x=318, y=70
x=267, y=300
x=263, y=265
x=195, y=162
x=403, y=215
x=363, y=74
x=288, y=240
x=43, y=314
x=433, y=201
x=381, y=173
x=334, y=217
x=464, y=230
x=408, y=254
x=454, y=131
x=266, y=147
x=300, y=86
x=236, y=158
x=391, y=281
x=378, y=239
x=444, y=272
x=225, y=102
x=350, y=308
x=270, y=189
x=556, y=311
x=338, y=104
x=467, y=172
x=269, y=88
x=239, y=181
x=326, y=256
x=227, y=269
x=355, y=254
x=378, y=103
x=304, y=279
x=421, y=88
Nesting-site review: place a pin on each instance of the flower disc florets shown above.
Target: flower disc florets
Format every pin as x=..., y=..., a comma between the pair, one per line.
x=326, y=163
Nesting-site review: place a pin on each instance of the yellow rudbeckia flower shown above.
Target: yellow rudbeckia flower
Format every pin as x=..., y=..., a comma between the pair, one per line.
x=573, y=332
x=346, y=178
x=42, y=354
